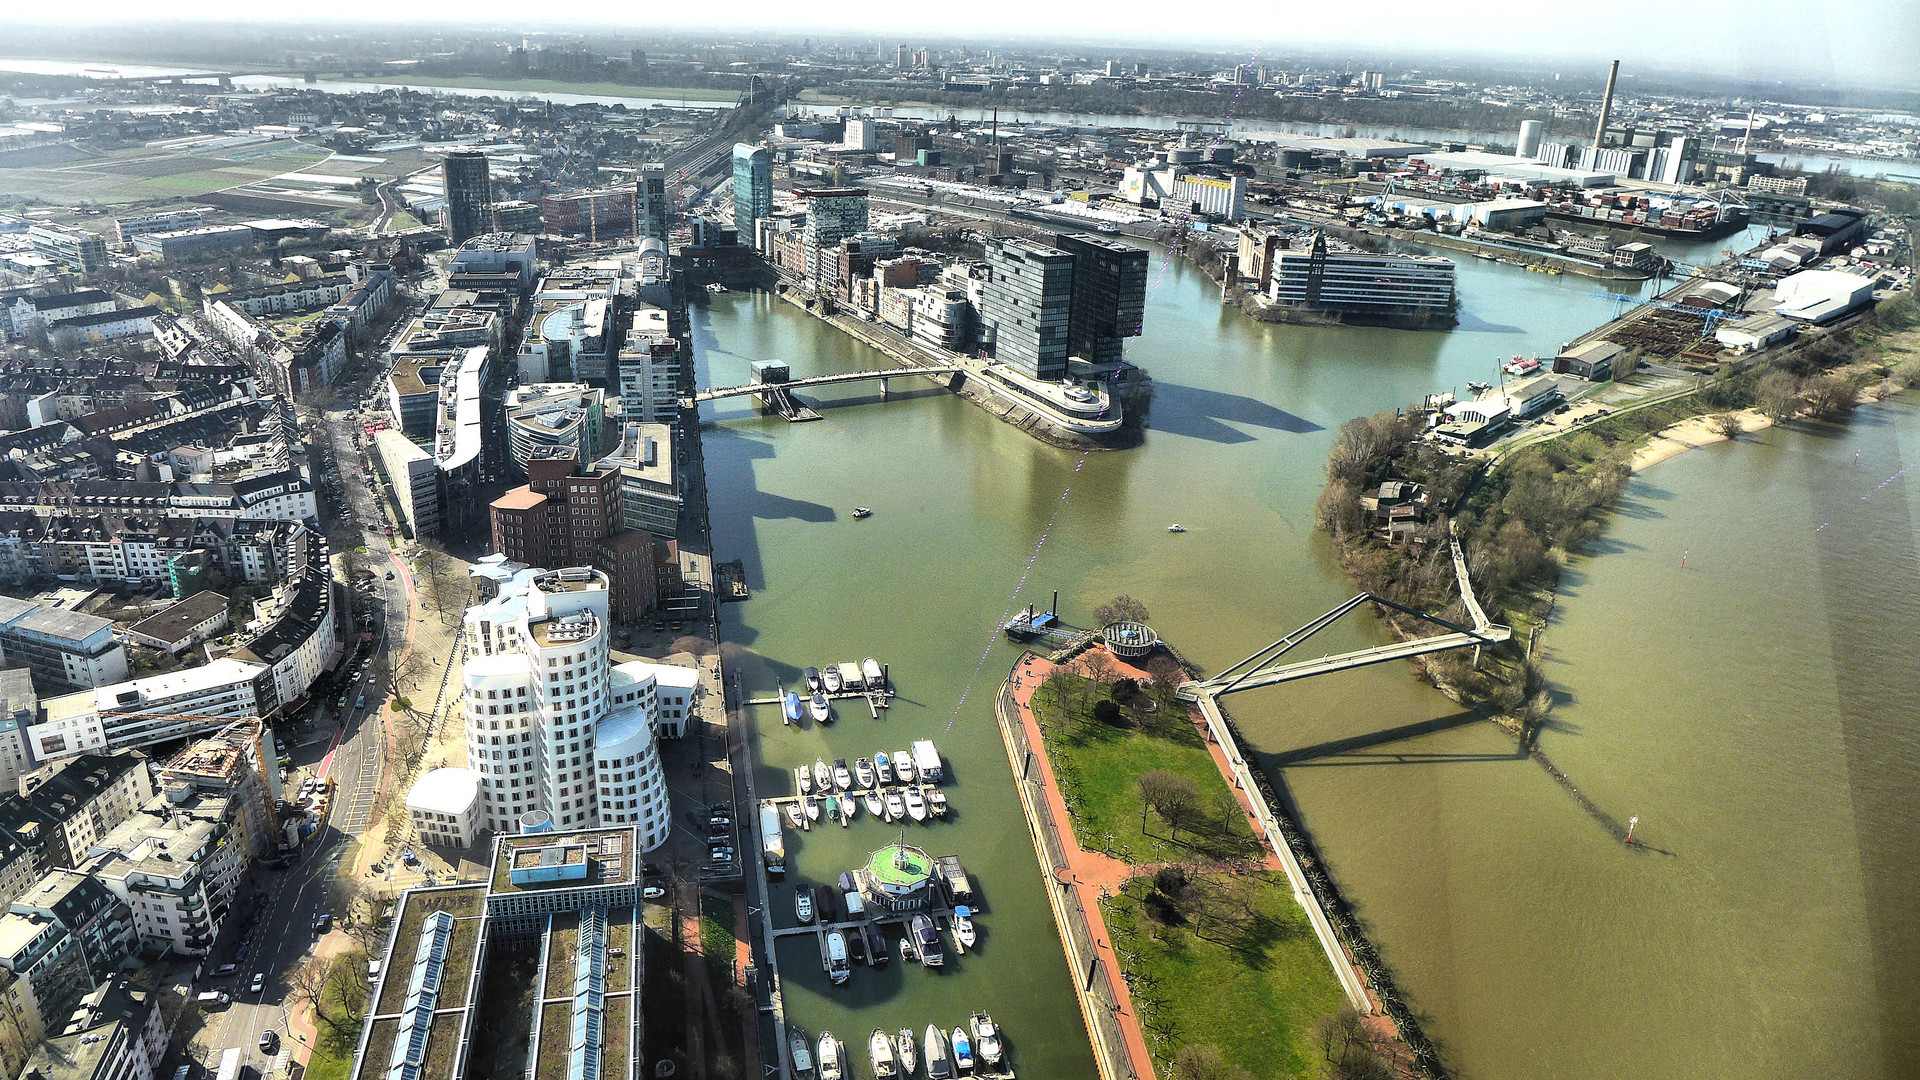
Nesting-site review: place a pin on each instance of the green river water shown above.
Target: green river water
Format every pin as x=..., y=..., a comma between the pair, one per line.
x=1756, y=711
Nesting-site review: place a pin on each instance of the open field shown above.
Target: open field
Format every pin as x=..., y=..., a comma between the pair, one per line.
x=148, y=174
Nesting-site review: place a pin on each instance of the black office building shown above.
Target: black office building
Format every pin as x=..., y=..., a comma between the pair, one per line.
x=469, y=196
x=1109, y=296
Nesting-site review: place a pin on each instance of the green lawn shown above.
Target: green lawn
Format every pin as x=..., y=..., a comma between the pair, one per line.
x=1099, y=767
x=716, y=937
x=1250, y=981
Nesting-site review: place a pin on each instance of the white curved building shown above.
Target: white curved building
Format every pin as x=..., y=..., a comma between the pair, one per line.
x=543, y=728
x=444, y=806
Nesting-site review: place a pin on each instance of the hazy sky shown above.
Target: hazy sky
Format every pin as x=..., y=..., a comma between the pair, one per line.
x=1800, y=41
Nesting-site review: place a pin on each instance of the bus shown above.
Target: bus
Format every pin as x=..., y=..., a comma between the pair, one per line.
x=229, y=1065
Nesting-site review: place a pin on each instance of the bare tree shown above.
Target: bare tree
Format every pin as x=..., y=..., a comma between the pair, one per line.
x=1830, y=396
x=1728, y=425
x=1122, y=608
x=308, y=982
x=1174, y=797
x=1205, y=1063
x=1778, y=395
x=1099, y=668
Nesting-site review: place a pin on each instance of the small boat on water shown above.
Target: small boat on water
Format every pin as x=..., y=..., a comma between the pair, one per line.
x=907, y=953
x=842, y=776
x=812, y=675
x=903, y=766
x=830, y=1065
x=803, y=780
x=863, y=773
x=821, y=776
x=822, y=712
x=832, y=807
x=831, y=675
x=882, y=767
x=926, y=942
x=937, y=802
x=803, y=905
x=877, y=952
x=838, y=970
x=870, y=669
x=963, y=925
x=986, y=1039
x=908, y=1059
x=1176, y=527
x=848, y=806
x=962, y=1051
x=790, y=708
x=795, y=815
x=797, y=1048
x=939, y=1065
x=810, y=808
x=875, y=805
x=896, y=806
x=862, y=512
x=880, y=1048
x=715, y=287
x=857, y=947
x=916, y=804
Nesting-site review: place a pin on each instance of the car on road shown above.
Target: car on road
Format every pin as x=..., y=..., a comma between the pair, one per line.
x=373, y=969
x=269, y=1040
x=259, y=981
x=653, y=892
x=389, y=575
x=225, y=970
x=322, y=924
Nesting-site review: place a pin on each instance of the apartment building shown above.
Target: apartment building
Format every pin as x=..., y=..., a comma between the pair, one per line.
x=175, y=866
x=155, y=709
x=650, y=500
x=232, y=766
x=567, y=515
x=62, y=648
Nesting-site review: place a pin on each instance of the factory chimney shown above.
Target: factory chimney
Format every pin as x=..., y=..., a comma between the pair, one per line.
x=1606, y=107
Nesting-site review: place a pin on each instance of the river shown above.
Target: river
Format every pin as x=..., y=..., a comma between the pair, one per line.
x=1533, y=942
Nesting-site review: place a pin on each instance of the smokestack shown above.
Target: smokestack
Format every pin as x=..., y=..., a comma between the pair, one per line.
x=1606, y=107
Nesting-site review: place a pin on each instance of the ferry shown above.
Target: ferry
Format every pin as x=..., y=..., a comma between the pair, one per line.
x=863, y=773
x=790, y=707
x=880, y=1048
x=882, y=767
x=963, y=925
x=1521, y=365
x=870, y=670
x=830, y=1067
x=986, y=1039
x=908, y=1059
x=939, y=1066
x=821, y=711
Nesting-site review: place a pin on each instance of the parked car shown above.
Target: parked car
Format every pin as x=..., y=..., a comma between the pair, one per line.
x=653, y=892
x=225, y=970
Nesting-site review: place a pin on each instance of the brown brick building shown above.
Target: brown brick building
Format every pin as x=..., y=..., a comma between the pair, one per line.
x=570, y=516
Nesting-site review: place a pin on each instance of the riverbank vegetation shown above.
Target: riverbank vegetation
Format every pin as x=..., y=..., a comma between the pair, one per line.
x=1521, y=512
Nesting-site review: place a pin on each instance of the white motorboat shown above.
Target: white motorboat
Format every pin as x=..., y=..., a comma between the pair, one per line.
x=937, y=802
x=908, y=1059
x=812, y=675
x=862, y=512
x=939, y=1065
x=842, y=776
x=810, y=808
x=795, y=815
x=863, y=773
x=839, y=969
x=907, y=953
x=962, y=1052
x=803, y=904
x=818, y=708
x=882, y=767
x=903, y=766
x=803, y=779
x=831, y=676
x=801, y=1053
x=848, y=806
x=875, y=805
x=880, y=1048
x=963, y=925
x=821, y=777
x=830, y=1065
x=986, y=1039
x=916, y=804
x=1176, y=527
x=870, y=670
x=896, y=806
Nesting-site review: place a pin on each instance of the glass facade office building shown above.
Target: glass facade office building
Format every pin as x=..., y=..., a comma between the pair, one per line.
x=752, y=188
x=1109, y=296
x=469, y=210
x=1026, y=306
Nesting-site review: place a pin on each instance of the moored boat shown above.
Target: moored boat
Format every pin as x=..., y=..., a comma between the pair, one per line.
x=916, y=804
x=812, y=675
x=963, y=925
x=832, y=807
x=934, y=1045
x=937, y=802
x=830, y=1065
x=875, y=805
x=842, y=776
x=986, y=1039
x=903, y=766
x=926, y=942
x=848, y=807
x=831, y=676
x=908, y=1059
x=810, y=808
x=822, y=712
x=821, y=777
x=790, y=708
x=801, y=1054
x=962, y=1052
x=838, y=970
x=896, y=806
x=795, y=815
x=883, y=768
x=803, y=779
x=870, y=670
x=863, y=773
x=880, y=1048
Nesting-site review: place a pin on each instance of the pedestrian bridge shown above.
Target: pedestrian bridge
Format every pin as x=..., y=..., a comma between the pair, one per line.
x=825, y=380
x=1264, y=667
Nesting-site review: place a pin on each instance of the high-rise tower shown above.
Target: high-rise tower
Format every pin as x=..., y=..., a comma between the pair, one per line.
x=469, y=195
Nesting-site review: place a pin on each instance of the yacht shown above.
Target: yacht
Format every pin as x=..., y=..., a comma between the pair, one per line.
x=882, y=767
x=842, y=778
x=831, y=675
x=790, y=708
x=875, y=804
x=830, y=1066
x=797, y=1048
x=880, y=1048
x=838, y=971
x=926, y=942
x=803, y=905
x=916, y=804
x=962, y=1052
x=1176, y=527
x=939, y=1065
x=963, y=925
x=903, y=766
x=862, y=512
x=821, y=777
x=863, y=773
x=937, y=802
x=812, y=675
x=908, y=1059
x=896, y=806
x=848, y=806
x=810, y=808
x=870, y=670
x=986, y=1039
x=822, y=712
x=803, y=779
x=795, y=815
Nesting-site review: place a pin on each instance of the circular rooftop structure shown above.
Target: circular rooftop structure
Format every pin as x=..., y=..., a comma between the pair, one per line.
x=1129, y=639
x=900, y=873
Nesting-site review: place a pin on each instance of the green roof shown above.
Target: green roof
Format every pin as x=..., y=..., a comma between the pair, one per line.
x=900, y=864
